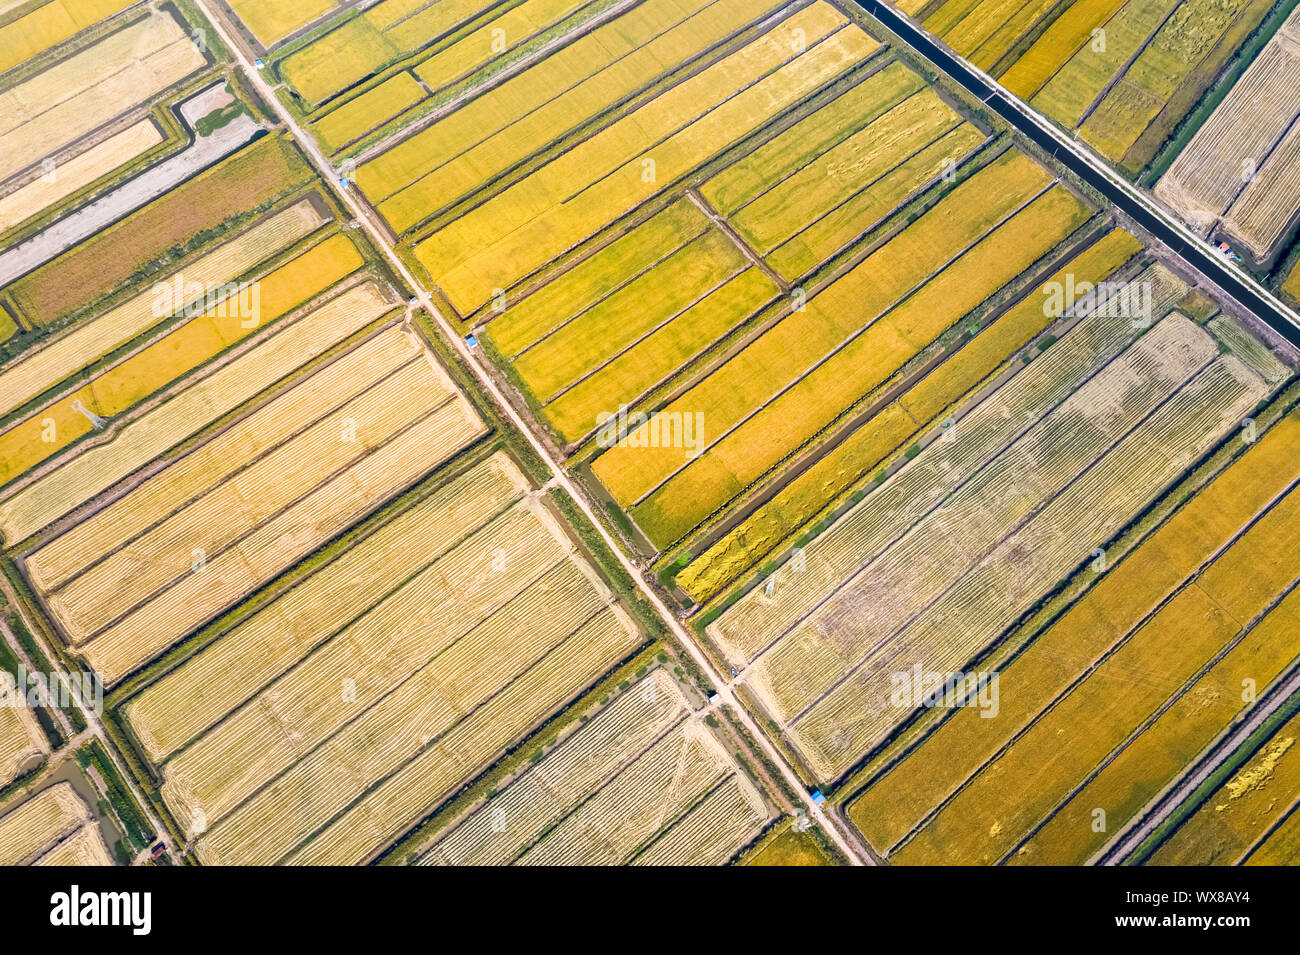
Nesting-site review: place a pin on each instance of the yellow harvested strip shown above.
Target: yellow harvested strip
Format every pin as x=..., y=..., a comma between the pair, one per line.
x=404, y=797
x=892, y=806
x=790, y=348
x=368, y=111
x=41, y=116
x=49, y=25
x=85, y=847
x=714, y=830
x=31, y=826
x=651, y=794
x=1167, y=747
x=53, y=427
x=420, y=620
x=223, y=514
x=273, y=20
x=387, y=735
x=581, y=192
x=83, y=169
x=547, y=792
x=47, y=365
x=234, y=449
x=797, y=503
x=1239, y=813
x=21, y=739
x=278, y=544
x=140, y=441
x=226, y=674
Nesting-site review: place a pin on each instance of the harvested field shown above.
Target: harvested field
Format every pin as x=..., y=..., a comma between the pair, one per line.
x=22, y=742
x=194, y=696
x=509, y=624
x=1029, y=513
x=860, y=453
x=49, y=25
x=140, y=441
x=511, y=235
x=85, y=847
x=1188, y=632
x=286, y=501
x=83, y=169
x=31, y=828
x=935, y=473
x=1092, y=627
x=643, y=782
x=987, y=600
x=40, y=369
x=1239, y=166
x=161, y=233
x=192, y=344
x=812, y=656
x=58, y=106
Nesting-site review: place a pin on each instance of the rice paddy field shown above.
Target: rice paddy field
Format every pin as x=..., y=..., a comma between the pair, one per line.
x=1121, y=74
x=53, y=827
x=972, y=533
x=456, y=626
x=1236, y=176
x=644, y=782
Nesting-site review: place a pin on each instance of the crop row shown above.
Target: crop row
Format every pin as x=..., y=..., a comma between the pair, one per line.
x=511, y=821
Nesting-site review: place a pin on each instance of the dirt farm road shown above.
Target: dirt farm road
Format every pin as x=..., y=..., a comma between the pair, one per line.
x=379, y=236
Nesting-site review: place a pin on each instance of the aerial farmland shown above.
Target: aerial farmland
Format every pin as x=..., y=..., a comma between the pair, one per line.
x=646, y=432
